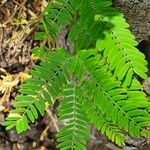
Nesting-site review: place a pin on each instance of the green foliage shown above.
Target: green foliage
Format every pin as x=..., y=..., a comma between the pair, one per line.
x=97, y=84
x=75, y=133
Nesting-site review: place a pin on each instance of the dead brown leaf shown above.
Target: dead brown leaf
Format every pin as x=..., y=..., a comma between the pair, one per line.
x=7, y=83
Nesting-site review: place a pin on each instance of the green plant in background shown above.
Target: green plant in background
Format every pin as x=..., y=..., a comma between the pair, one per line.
x=96, y=84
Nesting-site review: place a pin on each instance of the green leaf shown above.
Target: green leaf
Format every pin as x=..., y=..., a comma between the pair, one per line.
x=30, y=115
x=22, y=124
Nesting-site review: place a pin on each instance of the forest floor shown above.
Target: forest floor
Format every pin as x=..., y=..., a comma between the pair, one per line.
x=18, y=24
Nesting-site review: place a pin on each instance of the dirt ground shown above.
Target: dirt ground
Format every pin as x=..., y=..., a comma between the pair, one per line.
x=18, y=24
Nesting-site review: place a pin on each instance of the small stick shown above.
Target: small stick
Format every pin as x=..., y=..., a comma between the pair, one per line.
x=52, y=118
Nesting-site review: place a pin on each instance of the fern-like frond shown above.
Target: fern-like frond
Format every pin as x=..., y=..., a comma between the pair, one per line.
x=96, y=85
x=110, y=98
x=118, y=47
x=58, y=14
x=84, y=27
x=74, y=133
x=46, y=84
x=137, y=108
x=115, y=40
x=120, y=107
x=99, y=120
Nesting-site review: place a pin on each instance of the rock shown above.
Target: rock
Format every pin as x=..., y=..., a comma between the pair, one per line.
x=137, y=13
x=135, y=143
